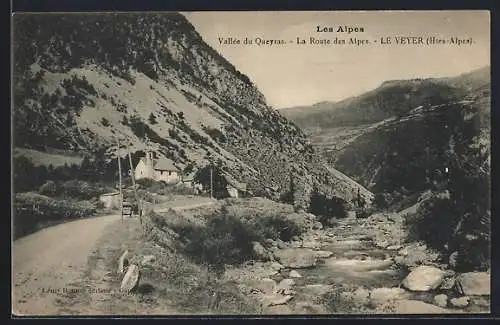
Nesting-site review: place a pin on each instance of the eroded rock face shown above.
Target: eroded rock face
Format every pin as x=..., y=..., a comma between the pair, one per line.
x=424, y=278
x=296, y=258
x=473, y=283
x=131, y=279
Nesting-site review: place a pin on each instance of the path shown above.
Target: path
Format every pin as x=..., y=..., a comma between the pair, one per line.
x=50, y=261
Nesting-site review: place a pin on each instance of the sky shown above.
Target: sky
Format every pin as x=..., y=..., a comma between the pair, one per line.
x=294, y=75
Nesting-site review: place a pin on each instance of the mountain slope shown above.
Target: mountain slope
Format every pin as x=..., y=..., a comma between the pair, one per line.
x=84, y=81
x=391, y=98
x=403, y=140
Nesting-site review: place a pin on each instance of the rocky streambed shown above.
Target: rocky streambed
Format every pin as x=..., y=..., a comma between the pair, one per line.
x=361, y=266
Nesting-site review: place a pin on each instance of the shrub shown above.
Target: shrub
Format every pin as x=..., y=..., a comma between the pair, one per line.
x=444, y=227
x=145, y=182
x=276, y=227
x=224, y=240
x=104, y=122
x=33, y=210
x=326, y=208
x=81, y=189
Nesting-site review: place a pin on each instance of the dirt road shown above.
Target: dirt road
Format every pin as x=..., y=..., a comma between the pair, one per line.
x=47, y=262
x=46, y=265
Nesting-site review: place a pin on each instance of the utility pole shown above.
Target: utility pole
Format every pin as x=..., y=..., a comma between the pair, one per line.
x=139, y=204
x=211, y=182
x=120, y=177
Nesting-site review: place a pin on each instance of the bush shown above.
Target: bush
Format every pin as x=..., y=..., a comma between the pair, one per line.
x=441, y=224
x=224, y=240
x=276, y=227
x=81, y=189
x=327, y=208
x=33, y=211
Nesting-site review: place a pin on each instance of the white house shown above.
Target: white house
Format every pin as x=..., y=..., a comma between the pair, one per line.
x=157, y=169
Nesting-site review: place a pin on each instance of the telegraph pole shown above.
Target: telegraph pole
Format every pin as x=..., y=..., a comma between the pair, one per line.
x=139, y=204
x=120, y=177
x=211, y=182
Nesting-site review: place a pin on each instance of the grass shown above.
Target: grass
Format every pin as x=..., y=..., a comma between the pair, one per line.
x=171, y=285
x=224, y=237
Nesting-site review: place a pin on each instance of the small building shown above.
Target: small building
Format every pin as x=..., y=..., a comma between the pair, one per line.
x=160, y=170
x=188, y=181
x=234, y=188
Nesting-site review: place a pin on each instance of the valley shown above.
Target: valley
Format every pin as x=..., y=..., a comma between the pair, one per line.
x=375, y=204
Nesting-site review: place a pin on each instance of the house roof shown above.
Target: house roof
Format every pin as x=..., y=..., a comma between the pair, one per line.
x=234, y=183
x=165, y=164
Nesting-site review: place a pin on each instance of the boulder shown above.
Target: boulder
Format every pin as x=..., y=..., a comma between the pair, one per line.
x=294, y=274
x=317, y=289
x=268, y=242
x=473, y=283
x=278, y=300
x=417, y=307
x=424, y=278
x=296, y=258
x=323, y=254
x=393, y=247
x=380, y=296
x=460, y=302
x=448, y=283
x=285, y=285
x=361, y=296
x=304, y=307
x=382, y=244
x=281, y=244
x=279, y=310
x=131, y=279
x=317, y=225
x=123, y=262
x=266, y=286
x=441, y=300
x=276, y=266
x=148, y=260
x=259, y=252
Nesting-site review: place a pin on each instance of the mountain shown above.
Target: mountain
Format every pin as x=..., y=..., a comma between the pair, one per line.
x=399, y=137
x=82, y=81
x=391, y=98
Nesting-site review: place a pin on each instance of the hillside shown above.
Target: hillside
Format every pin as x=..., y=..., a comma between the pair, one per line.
x=373, y=138
x=391, y=98
x=83, y=81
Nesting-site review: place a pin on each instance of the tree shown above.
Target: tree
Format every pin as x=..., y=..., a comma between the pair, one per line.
x=288, y=196
x=202, y=177
x=152, y=119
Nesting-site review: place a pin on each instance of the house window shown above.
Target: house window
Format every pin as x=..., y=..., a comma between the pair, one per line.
x=169, y=173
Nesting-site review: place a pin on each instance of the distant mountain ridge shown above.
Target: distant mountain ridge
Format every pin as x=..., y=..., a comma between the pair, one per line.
x=391, y=98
